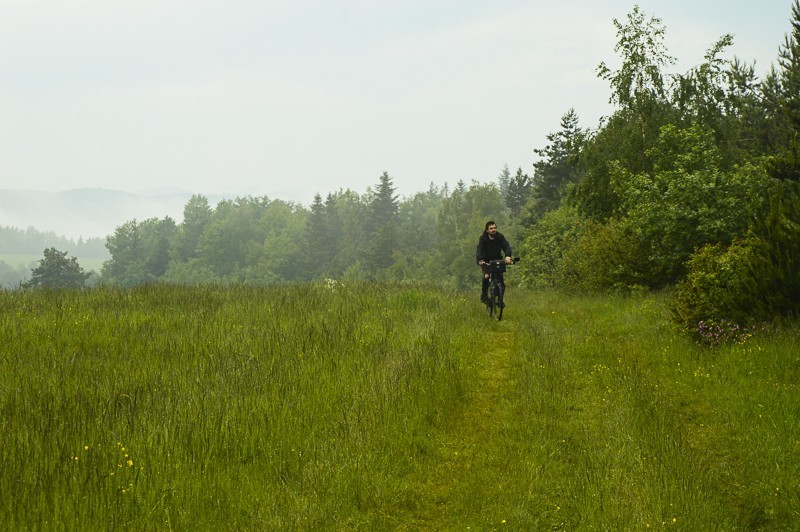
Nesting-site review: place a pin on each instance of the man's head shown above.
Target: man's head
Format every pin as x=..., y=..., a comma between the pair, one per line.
x=491, y=228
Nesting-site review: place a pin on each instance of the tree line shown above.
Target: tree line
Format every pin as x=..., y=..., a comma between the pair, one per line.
x=31, y=242
x=691, y=183
x=344, y=236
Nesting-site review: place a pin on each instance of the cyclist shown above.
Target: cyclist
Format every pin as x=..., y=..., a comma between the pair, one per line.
x=492, y=245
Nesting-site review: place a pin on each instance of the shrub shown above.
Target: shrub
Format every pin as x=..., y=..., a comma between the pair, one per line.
x=544, y=244
x=605, y=256
x=716, y=286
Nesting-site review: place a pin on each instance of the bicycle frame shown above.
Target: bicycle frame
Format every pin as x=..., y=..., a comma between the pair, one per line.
x=495, y=304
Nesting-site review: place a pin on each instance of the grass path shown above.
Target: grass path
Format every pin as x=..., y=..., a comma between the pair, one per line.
x=463, y=452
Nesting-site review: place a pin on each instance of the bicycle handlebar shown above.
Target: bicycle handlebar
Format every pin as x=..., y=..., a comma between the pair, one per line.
x=498, y=261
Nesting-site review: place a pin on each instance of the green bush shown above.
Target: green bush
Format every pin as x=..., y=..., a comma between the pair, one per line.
x=716, y=286
x=605, y=256
x=751, y=280
x=544, y=246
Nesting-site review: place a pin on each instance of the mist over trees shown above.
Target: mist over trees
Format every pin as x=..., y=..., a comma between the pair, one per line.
x=692, y=182
x=27, y=244
x=31, y=242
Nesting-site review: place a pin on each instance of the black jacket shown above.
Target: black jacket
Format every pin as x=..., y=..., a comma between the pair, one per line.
x=489, y=249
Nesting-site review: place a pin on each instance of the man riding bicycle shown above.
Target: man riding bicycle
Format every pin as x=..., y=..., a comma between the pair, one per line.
x=492, y=245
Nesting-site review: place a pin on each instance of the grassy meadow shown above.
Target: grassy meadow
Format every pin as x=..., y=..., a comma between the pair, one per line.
x=386, y=407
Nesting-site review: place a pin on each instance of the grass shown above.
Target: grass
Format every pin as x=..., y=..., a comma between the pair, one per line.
x=386, y=407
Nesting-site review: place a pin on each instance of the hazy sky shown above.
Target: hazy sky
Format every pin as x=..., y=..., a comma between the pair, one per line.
x=286, y=98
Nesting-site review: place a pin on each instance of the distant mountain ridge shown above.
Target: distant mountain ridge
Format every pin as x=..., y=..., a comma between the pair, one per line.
x=88, y=212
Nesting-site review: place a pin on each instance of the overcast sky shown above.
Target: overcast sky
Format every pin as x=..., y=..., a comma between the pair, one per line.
x=287, y=98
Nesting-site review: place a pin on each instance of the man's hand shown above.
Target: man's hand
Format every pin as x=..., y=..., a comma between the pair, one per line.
x=508, y=260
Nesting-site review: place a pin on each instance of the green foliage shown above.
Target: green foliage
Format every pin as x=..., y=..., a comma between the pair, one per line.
x=640, y=79
x=415, y=256
x=700, y=94
x=624, y=141
x=557, y=169
x=139, y=251
x=382, y=225
x=686, y=202
x=55, y=270
x=518, y=192
x=753, y=279
x=605, y=256
x=275, y=257
x=782, y=100
x=189, y=273
x=545, y=244
x=232, y=236
x=320, y=240
x=775, y=264
x=503, y=180
x=31, y=242
x=716, y=286
x=197, y=213
x=460, y=222
x=346, y=212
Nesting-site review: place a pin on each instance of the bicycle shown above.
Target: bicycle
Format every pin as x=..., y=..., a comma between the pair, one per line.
x=495, y=303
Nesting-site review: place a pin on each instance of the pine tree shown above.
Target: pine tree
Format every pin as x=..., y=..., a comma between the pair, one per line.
x=383, y=224
x=519, y=188
x=787, y=164
x=503, y=180
x=320, y=242
x=558, y=167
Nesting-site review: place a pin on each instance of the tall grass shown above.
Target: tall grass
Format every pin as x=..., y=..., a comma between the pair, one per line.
x=386, y=407
x=235, y=407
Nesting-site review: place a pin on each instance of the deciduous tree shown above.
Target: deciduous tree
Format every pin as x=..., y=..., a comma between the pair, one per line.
x=56, y=270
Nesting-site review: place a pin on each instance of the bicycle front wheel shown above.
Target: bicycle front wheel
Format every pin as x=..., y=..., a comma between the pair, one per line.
x=498, y=303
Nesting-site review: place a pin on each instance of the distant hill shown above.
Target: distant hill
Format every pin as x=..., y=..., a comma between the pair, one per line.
x=87, y=212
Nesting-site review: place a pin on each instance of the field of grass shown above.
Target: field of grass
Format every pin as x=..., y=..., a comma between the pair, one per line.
x=386, y=407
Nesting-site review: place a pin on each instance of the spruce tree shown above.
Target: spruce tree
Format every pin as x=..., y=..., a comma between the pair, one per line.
x=787, y=115
x=320, y=243
x=558, y=167
x=383, y=224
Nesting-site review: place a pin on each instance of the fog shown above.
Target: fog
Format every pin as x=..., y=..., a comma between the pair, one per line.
x=87, y=213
